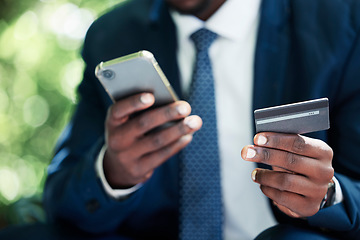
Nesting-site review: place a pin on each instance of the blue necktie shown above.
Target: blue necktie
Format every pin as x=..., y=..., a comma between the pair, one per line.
x=200, y=193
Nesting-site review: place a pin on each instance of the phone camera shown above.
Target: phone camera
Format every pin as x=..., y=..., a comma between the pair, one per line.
x=108, y=74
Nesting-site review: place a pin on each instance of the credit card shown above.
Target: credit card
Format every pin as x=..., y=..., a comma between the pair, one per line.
x=299, y=118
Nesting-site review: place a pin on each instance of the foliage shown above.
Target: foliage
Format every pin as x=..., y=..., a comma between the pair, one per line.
x=40, y=67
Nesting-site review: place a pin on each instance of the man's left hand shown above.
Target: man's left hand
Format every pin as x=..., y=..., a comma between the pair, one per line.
x=301, y=171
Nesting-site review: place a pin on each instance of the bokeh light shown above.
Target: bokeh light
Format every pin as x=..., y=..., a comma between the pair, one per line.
x=9, y=184
x=40, y=68
x=36, y=111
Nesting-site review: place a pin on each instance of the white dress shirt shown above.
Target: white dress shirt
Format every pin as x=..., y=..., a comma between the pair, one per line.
x=246, y=209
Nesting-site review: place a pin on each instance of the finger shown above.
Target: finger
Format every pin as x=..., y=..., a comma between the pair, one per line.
x=280, y=169
x=300, y=205
x=286, y=210
x=157, y=117
x=140, y=170
x=289, y=182
x=153, y=142
x=295, y=143
x=158, y=140
x=122, y=137
x=119, y=112
x=287, y=160
x=155, y=159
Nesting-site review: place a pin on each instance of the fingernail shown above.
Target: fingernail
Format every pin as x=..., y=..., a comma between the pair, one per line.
x=253, y=175
x=192, y=122
x=186, y=138
x=182, y=109
x=262, y=140
x=146, y=98
x=250, y=153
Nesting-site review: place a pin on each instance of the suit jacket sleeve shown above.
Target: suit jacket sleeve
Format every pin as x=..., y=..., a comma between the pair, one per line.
x=73, y=191
x=344, y=137
x=315, y=53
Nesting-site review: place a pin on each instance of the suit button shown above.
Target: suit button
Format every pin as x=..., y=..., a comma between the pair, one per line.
x=92, y=205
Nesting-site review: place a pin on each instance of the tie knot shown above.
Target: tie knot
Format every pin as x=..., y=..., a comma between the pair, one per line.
x=203, y=38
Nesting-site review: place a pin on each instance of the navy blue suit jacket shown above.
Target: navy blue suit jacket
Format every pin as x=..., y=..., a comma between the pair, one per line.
x=305, y=49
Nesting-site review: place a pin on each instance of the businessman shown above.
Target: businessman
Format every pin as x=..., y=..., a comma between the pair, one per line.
x=112, y=174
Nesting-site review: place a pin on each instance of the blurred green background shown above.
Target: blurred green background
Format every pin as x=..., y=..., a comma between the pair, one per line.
x=40, y=68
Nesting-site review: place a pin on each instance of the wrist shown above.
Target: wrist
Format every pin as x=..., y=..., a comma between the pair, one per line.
x=112, y=192
x=330, y=195
x=112, y=174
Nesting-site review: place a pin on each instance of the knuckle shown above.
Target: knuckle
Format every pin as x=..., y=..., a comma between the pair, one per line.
x=329, y=173
x=275, y=141
x=143, y=122
x=168, y=112
x=286, y=181
x=134, y=101
x=317, y=172
x=266, y=155
x=298, y=144
x=165, y=152
x=291, y=159
x=329, y=153
x=324, y=174
x=157, y=140
x=181, y=128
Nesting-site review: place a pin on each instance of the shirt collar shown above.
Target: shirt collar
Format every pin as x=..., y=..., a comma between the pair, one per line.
x=233, y=20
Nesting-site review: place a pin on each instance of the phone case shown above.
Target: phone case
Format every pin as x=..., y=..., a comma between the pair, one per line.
x=135, y=73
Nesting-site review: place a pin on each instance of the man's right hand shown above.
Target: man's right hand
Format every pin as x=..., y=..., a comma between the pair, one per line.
x=132, y=155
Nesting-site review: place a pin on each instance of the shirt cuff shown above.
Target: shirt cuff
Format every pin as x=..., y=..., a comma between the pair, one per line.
x=115, y=193
x=338, y=192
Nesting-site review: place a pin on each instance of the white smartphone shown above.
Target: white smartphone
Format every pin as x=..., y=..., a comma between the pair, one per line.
x=135, y=73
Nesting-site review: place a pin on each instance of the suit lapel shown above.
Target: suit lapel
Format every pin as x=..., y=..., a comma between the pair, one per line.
x=162, y=41
x=271, y=55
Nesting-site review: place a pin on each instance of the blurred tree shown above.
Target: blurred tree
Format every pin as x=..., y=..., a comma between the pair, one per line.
x=10, y=9
x=40, y=67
